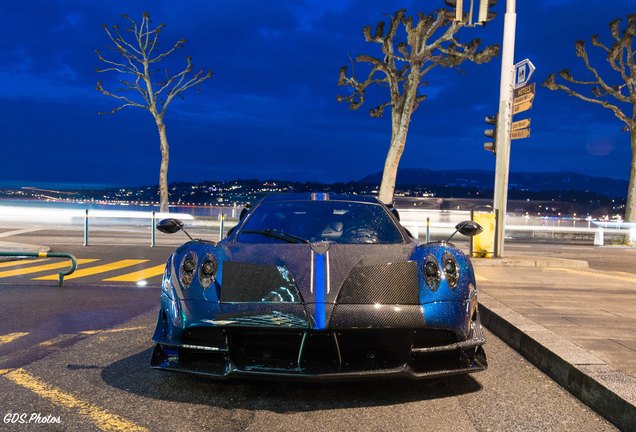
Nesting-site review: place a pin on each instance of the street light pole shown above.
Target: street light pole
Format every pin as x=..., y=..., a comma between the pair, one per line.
x=504, y=123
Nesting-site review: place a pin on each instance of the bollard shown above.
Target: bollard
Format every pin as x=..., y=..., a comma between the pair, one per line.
x=86, y=228
x=153, y=236
x=221, y=226
x=428, y=230
x=598, y=237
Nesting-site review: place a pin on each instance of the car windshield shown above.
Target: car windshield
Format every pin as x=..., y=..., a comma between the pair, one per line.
x=309, y=221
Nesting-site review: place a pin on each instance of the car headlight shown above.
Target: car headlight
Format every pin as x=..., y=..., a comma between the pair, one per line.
x=451, y=270
x=188, y=266
x=207, y=271
x=431, y=272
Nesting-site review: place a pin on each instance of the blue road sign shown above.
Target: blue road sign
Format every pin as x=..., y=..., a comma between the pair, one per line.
x=523, y=71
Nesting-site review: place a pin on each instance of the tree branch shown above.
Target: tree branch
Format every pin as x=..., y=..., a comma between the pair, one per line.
x=551, y=83
x=138, y=56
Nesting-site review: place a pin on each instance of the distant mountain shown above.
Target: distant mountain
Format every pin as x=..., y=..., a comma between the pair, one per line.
x=530, y=181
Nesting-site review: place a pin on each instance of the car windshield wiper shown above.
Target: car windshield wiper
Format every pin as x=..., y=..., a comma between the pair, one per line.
x=280, y=235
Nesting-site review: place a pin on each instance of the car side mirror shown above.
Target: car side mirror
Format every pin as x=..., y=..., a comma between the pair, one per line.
x=246, y=209
x=469, y=228
x=170, y=226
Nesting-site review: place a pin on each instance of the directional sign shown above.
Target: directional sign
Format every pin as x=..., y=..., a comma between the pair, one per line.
x=523, y=71
x=521, y=124
x=525, y=106
x=521, y=99
x=519, y=134
x=526, y=89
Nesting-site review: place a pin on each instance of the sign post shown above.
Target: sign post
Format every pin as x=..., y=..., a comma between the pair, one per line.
x=504, y=123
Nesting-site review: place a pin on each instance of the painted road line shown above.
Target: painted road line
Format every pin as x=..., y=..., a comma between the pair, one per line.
x=5, y=339
x=19, y=262
x=116, y=330
x=19, y=231
x=480, y=278
x=603, y=275
x=138, y=275
x=103, y=420
x=41, y=268
x=96, y=269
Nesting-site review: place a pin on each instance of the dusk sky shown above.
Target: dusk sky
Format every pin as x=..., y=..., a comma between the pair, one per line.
x=270, y=110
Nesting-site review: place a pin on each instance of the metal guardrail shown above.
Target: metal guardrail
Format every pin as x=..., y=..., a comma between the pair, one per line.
x=61, y=274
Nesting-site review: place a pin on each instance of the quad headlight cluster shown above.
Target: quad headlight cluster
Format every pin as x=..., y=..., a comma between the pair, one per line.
x=451, y=270
x=206, y=271
x=433, y=272
x=188, y=267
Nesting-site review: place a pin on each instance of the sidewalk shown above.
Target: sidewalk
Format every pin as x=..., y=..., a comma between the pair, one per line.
x=575, y=324
x=22, y=247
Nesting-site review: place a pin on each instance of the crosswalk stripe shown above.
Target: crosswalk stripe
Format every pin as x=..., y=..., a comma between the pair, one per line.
x=5, y=339
x=20, y=262
x=138, y=275
x=42, y=268
x=96, y=269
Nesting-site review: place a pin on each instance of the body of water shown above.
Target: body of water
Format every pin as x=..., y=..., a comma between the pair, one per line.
x=205, y=211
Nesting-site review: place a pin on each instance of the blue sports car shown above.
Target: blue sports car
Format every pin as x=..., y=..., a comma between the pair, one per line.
x=319, y=286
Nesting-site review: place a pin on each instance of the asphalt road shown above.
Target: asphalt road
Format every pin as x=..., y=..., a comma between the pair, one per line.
x=82, y=354
x=104, y=381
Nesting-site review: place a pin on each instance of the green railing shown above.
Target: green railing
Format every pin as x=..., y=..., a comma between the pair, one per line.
x=61, y=274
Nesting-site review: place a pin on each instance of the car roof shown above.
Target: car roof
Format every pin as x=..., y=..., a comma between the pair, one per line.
x=319, y=196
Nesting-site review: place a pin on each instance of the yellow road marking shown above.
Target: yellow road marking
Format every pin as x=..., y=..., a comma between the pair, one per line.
x=20, y=262
x=117, y=330
x=97, y=269
x=41, y=268
x=60, y=338
x=5, y=339
x=480, y=278
x=103, y=419
x=602, y=275
x=138, y=275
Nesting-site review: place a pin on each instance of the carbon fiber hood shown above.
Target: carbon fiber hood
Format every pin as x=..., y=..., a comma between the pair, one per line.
x=360, y=271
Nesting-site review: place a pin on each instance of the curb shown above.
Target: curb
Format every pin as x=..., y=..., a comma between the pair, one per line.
x=530, y=261
x=609, y=392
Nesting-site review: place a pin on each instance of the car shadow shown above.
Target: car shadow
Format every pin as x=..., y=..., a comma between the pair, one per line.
x=134, y=375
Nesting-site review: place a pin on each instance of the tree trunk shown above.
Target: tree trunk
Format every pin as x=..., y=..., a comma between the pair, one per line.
x=389, y=175
x=163, y=170
x=400, y=128
x=630, y=203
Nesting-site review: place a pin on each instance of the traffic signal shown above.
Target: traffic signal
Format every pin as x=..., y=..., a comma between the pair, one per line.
x=484, y=13
x=457, y=14
x=491, y=133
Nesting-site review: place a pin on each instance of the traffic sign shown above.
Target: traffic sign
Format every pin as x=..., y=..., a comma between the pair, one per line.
x=528, y=97
x=523, y=71
x=524, y=106
x=519, y=134
x=526, y=89
x=521, y=124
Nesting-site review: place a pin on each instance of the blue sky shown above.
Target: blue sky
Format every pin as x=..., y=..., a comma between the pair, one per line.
x=270, y=109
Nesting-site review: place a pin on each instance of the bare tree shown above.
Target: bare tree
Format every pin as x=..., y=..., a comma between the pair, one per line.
x=430, y=42
x=616, y=92
x=138, y=62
